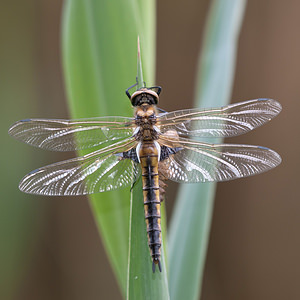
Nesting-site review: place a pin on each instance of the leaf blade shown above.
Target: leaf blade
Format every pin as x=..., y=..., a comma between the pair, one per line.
x=99, y=57
x=190, y=224
x=142, y=282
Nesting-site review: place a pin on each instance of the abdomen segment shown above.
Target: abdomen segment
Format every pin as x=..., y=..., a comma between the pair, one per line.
x=148, y=155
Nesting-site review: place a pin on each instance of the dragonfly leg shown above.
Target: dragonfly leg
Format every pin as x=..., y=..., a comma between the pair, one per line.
x=127, y=90
x=157, y=89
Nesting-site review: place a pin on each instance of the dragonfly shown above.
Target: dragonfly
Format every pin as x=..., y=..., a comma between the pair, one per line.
x=154, y=144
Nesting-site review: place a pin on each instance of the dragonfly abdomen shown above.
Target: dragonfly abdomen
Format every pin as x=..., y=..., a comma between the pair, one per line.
x=148, y=155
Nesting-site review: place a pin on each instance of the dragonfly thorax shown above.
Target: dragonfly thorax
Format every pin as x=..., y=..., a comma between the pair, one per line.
x=145, y=119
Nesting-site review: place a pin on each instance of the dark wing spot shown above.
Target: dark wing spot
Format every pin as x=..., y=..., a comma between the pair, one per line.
x=165, y=152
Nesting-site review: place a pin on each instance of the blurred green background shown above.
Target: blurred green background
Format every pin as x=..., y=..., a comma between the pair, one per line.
x=50, y=249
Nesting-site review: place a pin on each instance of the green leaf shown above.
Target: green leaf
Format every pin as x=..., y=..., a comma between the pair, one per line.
x=142, y=282
x=139, y=76
x=190, y=224
x=99, y=57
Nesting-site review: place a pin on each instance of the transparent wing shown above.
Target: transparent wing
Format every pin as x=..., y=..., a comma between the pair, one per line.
x=99, y=171
x=69, y=135
x=227, y=121
x=200, y=162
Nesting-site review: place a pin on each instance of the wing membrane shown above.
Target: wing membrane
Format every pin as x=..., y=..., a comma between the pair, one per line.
x=227, y=121
x=69, y=135
x=99, y=171
x=200, y=162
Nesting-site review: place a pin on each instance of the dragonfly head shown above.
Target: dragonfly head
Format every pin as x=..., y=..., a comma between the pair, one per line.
x=146, y=96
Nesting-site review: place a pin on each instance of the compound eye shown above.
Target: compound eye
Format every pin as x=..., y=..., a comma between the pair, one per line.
x=133, y=101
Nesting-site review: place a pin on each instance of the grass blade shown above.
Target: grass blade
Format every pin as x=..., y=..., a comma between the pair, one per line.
x=142, y=282
x=99, y=56
x=190, y=224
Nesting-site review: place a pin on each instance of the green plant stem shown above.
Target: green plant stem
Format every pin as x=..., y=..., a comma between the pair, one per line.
x=142, y=282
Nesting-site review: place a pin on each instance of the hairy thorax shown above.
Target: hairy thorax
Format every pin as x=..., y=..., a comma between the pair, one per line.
x=145, y=119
